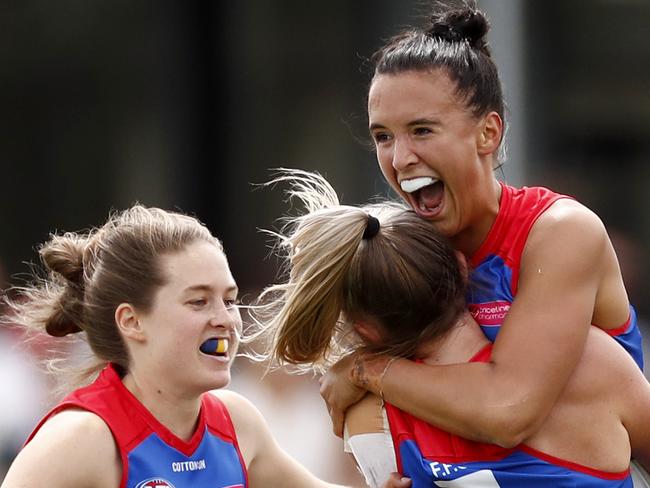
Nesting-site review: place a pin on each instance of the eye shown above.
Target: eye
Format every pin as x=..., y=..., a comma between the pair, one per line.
x=198, y=302
x=422, y=131
x=380, y=137
x=233, y=302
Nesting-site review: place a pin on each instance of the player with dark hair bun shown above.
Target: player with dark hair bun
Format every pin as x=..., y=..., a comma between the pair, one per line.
x=543, y=268
x=378, y=279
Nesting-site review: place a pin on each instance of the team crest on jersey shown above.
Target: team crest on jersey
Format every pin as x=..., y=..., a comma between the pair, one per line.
x=154, y=483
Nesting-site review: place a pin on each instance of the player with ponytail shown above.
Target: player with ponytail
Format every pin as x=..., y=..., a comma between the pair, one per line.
x=377, y=280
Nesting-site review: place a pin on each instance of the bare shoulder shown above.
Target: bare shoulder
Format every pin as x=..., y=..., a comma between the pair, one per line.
x=571, y=218
x=266, y=462
x=241, y=410
x=249, y=423
x=74, y=448
x=571, y=238
x=607, y=365
x=609, y=374
x=250, y=426
x=612, y=366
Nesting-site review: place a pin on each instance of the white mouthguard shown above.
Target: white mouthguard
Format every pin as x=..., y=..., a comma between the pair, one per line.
x=409, y=186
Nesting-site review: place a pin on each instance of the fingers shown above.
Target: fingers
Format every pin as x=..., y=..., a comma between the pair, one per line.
x=336, y=415
x=396, y=480
x=324, y=383
x=339, y=393
x=338, y=420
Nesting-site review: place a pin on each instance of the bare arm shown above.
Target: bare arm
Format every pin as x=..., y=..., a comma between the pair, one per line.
x=74, y=449
x=537, y=348
x=369, y=440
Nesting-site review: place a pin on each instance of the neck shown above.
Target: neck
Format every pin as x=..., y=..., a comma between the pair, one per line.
x=178, y=412
x=458, y=345
x=470, y=239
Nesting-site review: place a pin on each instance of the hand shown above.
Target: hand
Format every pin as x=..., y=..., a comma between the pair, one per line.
x=339, y=392
x=368, y=372
x=396, y=480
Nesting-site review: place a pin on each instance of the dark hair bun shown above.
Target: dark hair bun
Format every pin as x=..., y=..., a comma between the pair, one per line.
x=66, y=318
x=462, y=24
x=64, y=255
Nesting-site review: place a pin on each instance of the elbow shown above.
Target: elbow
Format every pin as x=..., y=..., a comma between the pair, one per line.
x=510, y=427
x=508, y=437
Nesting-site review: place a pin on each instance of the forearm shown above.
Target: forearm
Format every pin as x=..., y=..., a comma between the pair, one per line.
x=473, y=400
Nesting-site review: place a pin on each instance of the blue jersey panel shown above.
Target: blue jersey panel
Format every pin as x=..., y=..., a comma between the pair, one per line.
x=489, y=298
x=489, y=281
x=517, y=470
x=214, y=464
x=489, y=295
x=631, y=339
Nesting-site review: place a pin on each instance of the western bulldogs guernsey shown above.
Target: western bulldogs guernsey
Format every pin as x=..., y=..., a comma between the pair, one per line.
x=495, y=266
x=152, y=456
x=432, y=457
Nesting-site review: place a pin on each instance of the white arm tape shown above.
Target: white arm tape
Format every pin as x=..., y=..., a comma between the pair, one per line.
x=374, y=454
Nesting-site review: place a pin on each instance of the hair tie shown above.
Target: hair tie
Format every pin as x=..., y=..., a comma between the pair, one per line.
x=372, y=227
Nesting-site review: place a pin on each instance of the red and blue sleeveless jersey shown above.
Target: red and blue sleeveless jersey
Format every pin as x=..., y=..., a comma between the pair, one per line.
x=432, y=457
x=152, y=456
x=495, y=265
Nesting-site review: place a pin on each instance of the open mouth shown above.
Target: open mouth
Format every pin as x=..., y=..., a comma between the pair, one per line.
x=425, y=194
x=217, y=347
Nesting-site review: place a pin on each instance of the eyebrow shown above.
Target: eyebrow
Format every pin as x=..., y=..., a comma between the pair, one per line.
x=231, y=288
x=410, y=124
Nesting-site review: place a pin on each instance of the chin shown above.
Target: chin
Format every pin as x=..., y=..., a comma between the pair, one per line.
x=221, y=381
x=446, y=227
x=214, y=382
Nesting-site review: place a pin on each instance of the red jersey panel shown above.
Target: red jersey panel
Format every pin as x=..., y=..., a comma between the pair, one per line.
x=152, y=456
x=495, y=266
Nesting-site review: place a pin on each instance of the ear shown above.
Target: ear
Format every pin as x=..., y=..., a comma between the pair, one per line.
x=128, y=323
x=368, y=332
x=490, y=133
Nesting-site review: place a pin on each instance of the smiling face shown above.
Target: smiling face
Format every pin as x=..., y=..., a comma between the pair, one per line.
x=434, y=151
x=191, y=333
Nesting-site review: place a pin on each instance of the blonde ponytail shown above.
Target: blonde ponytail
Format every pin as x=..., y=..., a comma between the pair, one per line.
x=298, y=319
x=404, y=277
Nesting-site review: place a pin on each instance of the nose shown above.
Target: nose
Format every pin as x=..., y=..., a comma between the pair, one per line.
x=226, y=316
x=403, y=154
